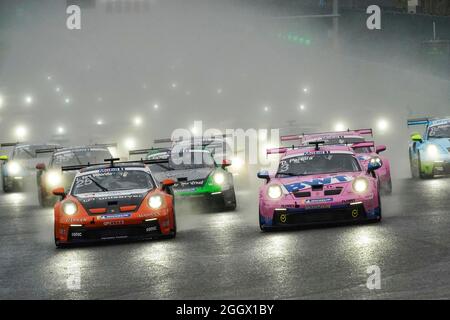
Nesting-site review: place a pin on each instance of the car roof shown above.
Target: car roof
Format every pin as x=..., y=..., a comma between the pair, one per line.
x=69, y=149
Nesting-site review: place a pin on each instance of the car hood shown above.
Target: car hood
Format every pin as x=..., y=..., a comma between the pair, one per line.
x=112, y=200
x=181, y=177
x=293, y=184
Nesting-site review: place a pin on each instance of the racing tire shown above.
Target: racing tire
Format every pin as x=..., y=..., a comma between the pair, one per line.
x=44, y=202
x=421, y=174
x=387, y=187
x=173, y=232
x=232, y=206
x=414, y=170
x=7, y=188
x=60, y=245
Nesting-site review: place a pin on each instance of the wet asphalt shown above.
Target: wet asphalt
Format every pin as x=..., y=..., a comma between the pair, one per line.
x=225, y=255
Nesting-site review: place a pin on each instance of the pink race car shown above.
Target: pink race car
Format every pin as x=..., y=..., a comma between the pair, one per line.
x=318, y=185
x=365, y=150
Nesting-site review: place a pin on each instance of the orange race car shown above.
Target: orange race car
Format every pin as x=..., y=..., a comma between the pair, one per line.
x=114, y=201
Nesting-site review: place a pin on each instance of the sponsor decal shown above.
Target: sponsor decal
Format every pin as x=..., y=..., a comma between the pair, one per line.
x=113, y=223
x=114, y=216
x=319, y=206
x=308, y=201
x=283, y=218
x=307, y=184
x=150, y=229
x=74, y=220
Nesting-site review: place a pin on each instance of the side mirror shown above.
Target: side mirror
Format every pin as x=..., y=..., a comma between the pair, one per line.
x=4, y=158
x=167, y=183
x=374, y=164
x=40, y=166
x=59, y=192
x=226, y=163
x=380, y=148
x=263, y=175
x=416, y=137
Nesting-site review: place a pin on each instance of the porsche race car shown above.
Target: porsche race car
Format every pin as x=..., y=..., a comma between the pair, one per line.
x=114, y=201
x=429, y=155
x=365, y=150
x=196, y=174
x=318, y=185
x=19, y=167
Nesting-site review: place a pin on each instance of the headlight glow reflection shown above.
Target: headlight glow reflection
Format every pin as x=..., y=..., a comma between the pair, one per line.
x=69, y=207
x=360, y=185
x=274, y=191
x=155, y=202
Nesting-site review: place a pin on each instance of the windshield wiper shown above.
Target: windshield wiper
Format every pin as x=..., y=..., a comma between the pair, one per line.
x=98, y=184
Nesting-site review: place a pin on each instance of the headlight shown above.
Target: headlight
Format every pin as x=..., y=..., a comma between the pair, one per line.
x=274, y=191
x=432, y=151
x=54, y=179
x=14, y=168
x=219, y=178
x=155, y=202
x=360, y=185
x=69, y=207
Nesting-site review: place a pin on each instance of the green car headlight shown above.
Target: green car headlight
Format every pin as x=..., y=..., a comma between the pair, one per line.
x=432, y=151
x=219, y=178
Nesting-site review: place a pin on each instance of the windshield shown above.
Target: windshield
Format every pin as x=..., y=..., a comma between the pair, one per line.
x=77, y=157
x=184, y=160
x=112, y=181
x=363, y=150
x=441, y=131
x=317, y=164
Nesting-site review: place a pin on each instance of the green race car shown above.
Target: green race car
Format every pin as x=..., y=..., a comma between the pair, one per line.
x=198, y=178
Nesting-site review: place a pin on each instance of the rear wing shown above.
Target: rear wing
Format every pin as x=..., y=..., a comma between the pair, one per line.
x=365, y=144
x=48, y=150
x=147, y=151
x=204, y=140
x=300, y=137
x=104, y=145
x=276, y=150
x=8, y=144
x=113, y=163
x=418, y=122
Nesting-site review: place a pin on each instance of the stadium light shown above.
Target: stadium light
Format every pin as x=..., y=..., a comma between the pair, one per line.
x=60, y=130
x=99, y=122
x=137, y=121
x=339, y=126
x=130, y=143
x=155, y=106
x=302, y=107
x=21, y=133
x=58, y=89
x=306, y=90
x=219, y=91
x=28, y=99
x=266, y=108
x=383, y=125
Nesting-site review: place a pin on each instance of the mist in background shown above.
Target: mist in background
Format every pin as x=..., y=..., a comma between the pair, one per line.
x=140, y=69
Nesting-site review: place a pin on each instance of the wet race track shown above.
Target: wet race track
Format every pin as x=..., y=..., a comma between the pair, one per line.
x=225, y=255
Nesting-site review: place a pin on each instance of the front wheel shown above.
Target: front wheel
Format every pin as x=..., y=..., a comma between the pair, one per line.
x=422, y=174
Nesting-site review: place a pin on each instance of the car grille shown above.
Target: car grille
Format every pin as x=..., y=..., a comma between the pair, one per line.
x=320, y=215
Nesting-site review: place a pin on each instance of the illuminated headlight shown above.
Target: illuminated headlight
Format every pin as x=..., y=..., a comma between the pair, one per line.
x=432, y=151
x=54, y=179
x=69, y=207
x=155, y=202
x=360, y=185
x=14, y=168
x=274, y=191
x=219, y=178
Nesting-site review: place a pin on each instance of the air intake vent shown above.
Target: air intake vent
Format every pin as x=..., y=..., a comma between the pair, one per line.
x=302, y=194
x=333, y=192
x=317, y=187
